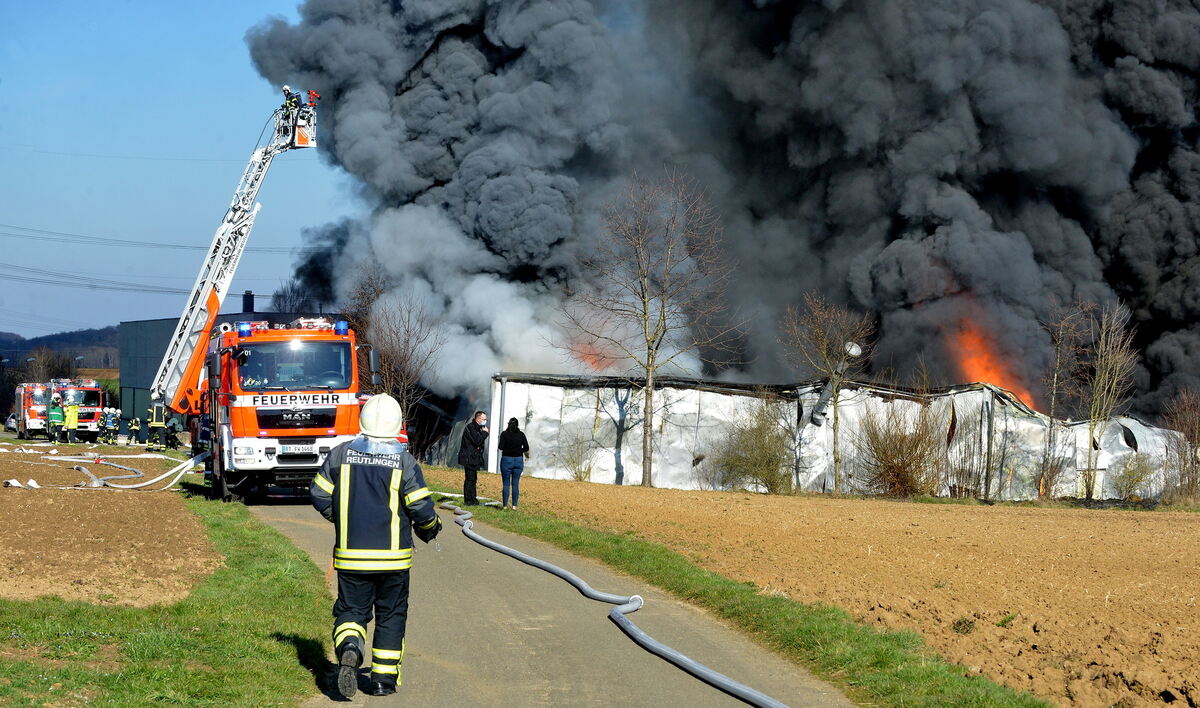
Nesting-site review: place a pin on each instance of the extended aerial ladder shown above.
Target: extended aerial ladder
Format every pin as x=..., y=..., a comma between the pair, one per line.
x=176, y=383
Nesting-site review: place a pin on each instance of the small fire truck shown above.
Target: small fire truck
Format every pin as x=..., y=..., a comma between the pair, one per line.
x=30, y=407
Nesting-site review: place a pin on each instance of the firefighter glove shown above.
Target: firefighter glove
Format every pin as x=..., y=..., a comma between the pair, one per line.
x=429, y=532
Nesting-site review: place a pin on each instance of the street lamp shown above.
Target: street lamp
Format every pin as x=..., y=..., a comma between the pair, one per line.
x=851, y=350
x=75, y=365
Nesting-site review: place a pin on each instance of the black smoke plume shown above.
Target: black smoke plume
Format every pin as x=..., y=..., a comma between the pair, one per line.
x=931, y=160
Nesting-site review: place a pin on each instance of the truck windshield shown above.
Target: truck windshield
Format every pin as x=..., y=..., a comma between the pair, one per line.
x=297, y=365
x=38, y=396
x=81, y=397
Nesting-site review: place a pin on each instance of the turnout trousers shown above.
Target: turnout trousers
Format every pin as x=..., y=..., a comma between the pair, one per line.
x=387, y=594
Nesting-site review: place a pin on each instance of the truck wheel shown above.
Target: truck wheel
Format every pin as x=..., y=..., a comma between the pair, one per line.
x=232, y=490
x=220, y=485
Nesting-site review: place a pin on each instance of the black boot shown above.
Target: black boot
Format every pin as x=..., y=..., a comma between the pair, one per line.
x=379, y=688
x=349, y=659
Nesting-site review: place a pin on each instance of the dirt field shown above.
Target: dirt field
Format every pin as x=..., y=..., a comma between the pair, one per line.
x=1098, y=608
x=95, y=545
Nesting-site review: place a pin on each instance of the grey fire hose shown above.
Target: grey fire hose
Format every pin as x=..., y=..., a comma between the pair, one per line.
x=624, y=605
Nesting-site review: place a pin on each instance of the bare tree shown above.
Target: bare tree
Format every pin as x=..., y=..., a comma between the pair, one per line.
x=292, y=297
x=402, y=332
x=1106, y=378
x=46, y=364
x=816, y=336
x=372, y=283
x=654, y=298
x=407, y=339
x=1067, y=326
x=1182, y=414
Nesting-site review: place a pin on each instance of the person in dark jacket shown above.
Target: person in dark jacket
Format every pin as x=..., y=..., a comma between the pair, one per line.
x=471, y=454
x=514, y=448
x=373, y=491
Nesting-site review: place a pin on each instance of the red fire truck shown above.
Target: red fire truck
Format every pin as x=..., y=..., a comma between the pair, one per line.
x=277, y=399
x=30, y=407
x=89, y=396
x=266, y=402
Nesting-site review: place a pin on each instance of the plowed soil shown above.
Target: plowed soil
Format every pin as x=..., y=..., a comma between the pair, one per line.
x=104, y=546
x=1080, y=607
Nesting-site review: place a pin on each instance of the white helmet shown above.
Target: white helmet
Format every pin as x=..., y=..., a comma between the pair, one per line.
x=287, y=89
x=381, y=417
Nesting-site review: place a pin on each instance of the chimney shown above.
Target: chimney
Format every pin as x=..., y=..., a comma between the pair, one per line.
x=248, y=301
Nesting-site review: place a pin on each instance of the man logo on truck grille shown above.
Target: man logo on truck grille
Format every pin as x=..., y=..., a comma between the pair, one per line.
x=297, y=415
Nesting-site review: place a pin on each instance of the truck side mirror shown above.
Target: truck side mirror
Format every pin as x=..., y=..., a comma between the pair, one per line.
x=373, y=362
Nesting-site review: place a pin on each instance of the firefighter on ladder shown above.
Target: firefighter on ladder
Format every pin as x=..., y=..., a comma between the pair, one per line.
x=156, y=421
x=373, y=491
x=291, y=101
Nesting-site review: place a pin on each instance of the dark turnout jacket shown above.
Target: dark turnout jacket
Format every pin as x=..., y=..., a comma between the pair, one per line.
x=373, y=492
x=513, y=443
x=470, y=452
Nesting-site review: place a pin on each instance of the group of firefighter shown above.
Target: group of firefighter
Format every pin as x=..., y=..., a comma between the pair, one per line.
x=62, y=425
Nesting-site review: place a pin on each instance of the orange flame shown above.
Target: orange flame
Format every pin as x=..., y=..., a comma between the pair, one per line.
x=593, y=356
x=975, y=351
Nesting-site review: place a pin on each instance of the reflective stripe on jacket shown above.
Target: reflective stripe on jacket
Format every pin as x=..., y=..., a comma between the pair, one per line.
x=373, y=492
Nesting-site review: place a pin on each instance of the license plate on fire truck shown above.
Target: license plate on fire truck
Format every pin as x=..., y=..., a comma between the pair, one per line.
x=299, y=448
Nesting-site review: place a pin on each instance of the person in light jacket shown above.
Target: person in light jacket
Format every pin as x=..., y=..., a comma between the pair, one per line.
x=514, y=448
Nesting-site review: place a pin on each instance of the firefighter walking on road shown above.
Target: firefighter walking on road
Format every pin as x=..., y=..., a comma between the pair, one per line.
x=156, y=421
x=373, y=491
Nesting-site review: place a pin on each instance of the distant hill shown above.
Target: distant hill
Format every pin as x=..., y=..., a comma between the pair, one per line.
x=98, y=347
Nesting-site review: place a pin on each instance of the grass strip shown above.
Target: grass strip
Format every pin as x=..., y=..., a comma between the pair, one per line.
x=244, y=637
x=874, y=667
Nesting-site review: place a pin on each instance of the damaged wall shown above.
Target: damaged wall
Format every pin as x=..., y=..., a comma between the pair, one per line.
x=590, y=428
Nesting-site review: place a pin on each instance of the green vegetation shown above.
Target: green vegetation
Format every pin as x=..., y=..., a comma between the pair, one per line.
x=244, y=637
x=874, y=667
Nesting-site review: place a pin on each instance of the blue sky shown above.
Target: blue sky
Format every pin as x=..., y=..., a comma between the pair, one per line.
x=88, y=93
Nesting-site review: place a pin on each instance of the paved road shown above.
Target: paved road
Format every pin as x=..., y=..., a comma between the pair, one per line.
x=487, y=630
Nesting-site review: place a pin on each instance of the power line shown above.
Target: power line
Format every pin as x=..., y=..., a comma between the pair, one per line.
x=150, y=158
x=67, y=237
x=40, y=276
x=236, y=278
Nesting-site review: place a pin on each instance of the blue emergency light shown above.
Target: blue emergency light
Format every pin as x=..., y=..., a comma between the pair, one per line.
x=244, y=329
x=341, y=327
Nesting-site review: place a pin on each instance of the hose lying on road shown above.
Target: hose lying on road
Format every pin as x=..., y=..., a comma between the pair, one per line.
x=624, y=605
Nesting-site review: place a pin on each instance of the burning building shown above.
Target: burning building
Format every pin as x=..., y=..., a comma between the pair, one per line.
x=988, y=443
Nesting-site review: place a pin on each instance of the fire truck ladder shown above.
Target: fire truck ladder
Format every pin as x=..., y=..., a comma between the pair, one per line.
x=177, y=380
